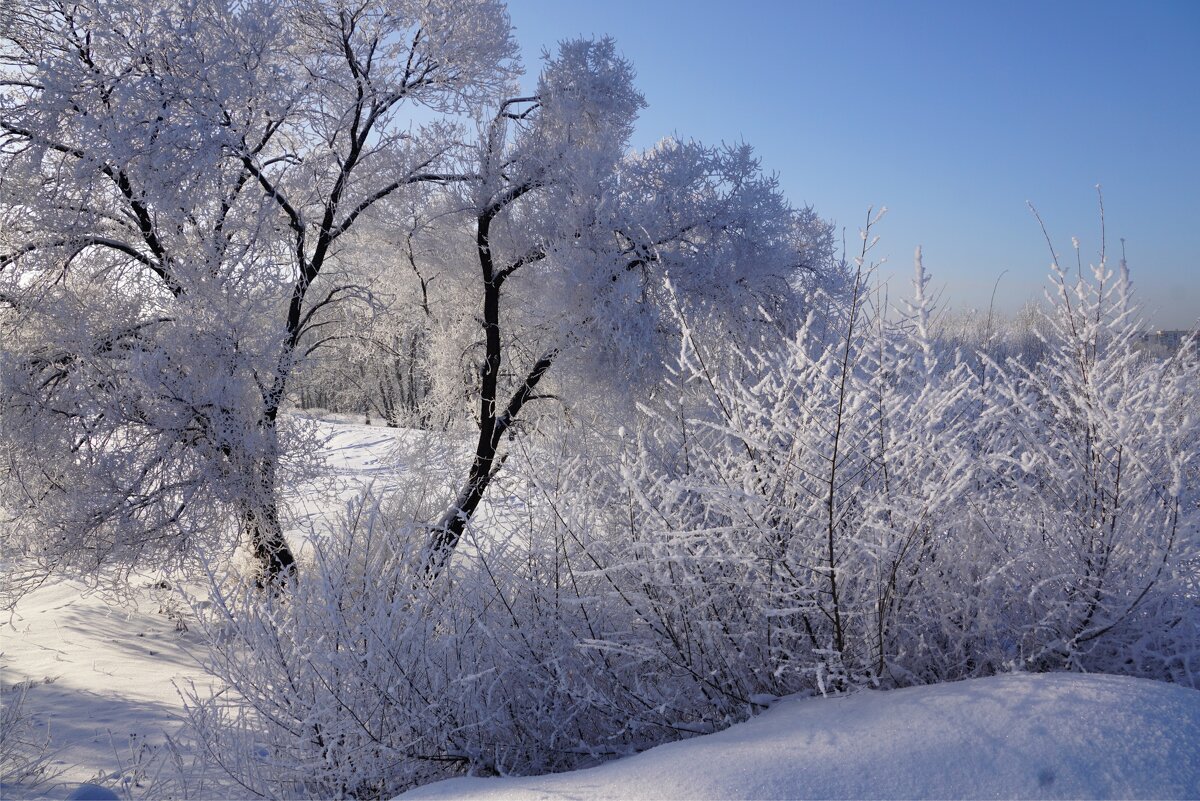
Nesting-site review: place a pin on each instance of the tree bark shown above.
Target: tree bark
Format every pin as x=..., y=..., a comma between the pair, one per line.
x=492, y=427
x=270, y=548
x=260, y=518
x=483, y=467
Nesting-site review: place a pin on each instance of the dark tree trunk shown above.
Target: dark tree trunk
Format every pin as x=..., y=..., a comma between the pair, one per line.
x=270, y=548
x=492, y=426
x=390, y=414
x=483, y=467
x=260, y=517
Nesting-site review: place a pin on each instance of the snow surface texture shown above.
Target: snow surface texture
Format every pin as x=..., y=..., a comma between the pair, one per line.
x=103, y=676
x=1015, y=736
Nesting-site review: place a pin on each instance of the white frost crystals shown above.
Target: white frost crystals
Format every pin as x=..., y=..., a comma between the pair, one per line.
x=176, y=177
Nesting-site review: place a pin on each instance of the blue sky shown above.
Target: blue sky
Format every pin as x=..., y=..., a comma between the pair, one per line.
x=951, y=114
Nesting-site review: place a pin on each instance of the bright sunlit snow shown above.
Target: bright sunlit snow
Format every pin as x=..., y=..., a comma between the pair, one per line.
x=103, y=674
x=1015, y=736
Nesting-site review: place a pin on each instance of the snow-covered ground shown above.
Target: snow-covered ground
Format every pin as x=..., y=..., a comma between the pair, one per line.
x=104, y=676
x=1015, y=736
x=103, y=673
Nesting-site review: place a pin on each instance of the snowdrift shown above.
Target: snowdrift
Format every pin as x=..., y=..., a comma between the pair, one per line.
x=1014, y=736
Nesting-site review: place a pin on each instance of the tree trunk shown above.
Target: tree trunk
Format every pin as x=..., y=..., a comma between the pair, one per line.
x=260, y=517
x=270, y=548
x=449, y=530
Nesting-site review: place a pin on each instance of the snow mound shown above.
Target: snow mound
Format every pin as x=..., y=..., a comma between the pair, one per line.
x=1015, y=736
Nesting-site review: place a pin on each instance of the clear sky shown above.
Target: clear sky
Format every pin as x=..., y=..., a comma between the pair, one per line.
x=951, y=114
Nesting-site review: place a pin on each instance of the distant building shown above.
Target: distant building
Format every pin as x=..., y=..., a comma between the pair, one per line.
x=1163, y=343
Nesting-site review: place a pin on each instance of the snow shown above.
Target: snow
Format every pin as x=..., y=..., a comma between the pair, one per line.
x=1013, y=736
x=92, y=792
x=104, y=676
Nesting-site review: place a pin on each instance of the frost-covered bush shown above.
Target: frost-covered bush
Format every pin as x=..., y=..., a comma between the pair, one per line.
x=369, y=675
x=781, y=524
x=1093, y=483
x=877, y=516
x=865, y=509
x=326, y=681
x=848, y=506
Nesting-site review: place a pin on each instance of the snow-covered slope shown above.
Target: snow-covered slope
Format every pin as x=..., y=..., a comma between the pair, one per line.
x=1016, y=736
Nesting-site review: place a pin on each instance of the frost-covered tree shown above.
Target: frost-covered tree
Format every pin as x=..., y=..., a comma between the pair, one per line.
x=575, y=240
x=176, y=179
